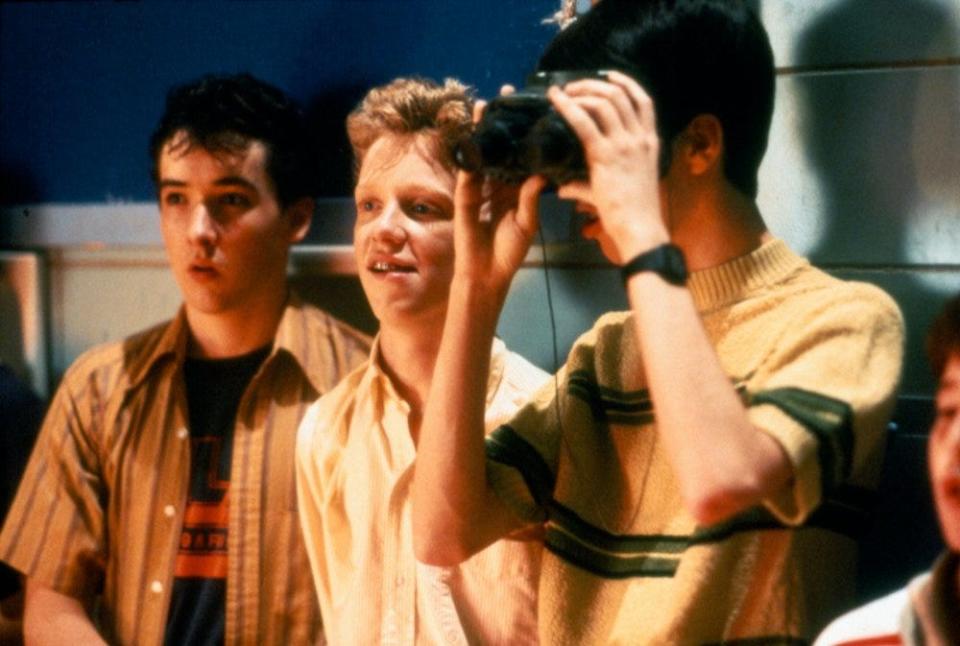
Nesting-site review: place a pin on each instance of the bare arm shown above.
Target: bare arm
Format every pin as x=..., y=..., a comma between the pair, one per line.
x=52, y=618
x=455, y=512
x=724, y=464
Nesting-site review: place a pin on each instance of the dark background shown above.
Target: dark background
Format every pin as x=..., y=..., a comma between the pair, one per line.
x=82, y=83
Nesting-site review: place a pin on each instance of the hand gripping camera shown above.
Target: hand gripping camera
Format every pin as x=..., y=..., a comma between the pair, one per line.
x=521, y=135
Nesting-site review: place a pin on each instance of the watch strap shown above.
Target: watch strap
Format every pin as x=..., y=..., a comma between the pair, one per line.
x=666, y=260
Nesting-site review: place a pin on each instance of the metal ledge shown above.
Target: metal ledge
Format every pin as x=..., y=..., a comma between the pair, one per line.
x=132, y=226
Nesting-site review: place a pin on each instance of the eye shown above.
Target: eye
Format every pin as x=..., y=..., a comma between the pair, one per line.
x=174, y=199
x=234, y=199
x=367, y=208
x=427, y=211
x=946, y=411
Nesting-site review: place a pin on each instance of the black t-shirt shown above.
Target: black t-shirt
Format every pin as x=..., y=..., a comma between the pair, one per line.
x=197, y=603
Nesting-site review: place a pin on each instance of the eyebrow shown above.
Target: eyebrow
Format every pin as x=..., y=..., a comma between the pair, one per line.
x=230, y=180
x=423, y=191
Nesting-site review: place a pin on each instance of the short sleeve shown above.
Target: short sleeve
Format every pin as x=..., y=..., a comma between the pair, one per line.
x=825, y=393
x=522, y=455
x=54, y=532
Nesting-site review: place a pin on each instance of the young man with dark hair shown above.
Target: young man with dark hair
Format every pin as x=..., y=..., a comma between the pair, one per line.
x=925, y=611
x=160, y=504
x=357, y=443
x=699, y=459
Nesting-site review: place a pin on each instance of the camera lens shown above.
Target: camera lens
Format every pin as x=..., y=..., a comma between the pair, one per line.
x=552, y=149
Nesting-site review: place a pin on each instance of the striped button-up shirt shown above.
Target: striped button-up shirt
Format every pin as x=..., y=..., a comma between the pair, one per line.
x=100, y=507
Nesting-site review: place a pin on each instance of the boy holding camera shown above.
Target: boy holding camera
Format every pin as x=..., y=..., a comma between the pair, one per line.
x=701, y=459
x=356, y=445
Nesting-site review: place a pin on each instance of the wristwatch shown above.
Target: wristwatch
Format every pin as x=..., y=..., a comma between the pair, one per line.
x=666, y=260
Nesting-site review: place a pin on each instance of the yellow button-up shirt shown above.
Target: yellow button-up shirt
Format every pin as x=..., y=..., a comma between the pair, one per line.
x=100, y=507
x=355, y=461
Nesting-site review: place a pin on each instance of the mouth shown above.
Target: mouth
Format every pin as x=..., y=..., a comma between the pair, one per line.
x=203, y=271
x=585, y=209
x=384, y=267
x=590, y=228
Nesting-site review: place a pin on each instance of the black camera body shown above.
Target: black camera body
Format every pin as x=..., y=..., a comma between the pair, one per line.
x=521, y=134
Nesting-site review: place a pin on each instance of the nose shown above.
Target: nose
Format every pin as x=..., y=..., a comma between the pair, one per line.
x=389, y=224
x=202, y=228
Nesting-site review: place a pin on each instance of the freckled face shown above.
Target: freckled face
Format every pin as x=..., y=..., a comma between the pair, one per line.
x=944, y=453
x=403, y=234
x=226, y=237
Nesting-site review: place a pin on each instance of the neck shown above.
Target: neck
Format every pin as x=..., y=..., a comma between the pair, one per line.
x=408, y=358
x=233, y=333
x=720, y=225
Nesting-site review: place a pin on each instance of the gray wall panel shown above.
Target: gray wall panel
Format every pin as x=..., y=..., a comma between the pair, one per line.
x=830, y=33
x=864, y=168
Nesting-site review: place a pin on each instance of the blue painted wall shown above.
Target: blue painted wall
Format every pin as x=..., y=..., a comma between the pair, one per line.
x=82, y=83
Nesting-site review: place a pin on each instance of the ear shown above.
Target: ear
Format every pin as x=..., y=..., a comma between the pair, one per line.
x=300, y=215
x=702, y=144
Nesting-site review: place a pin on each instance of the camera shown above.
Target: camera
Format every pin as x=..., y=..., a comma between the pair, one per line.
x=521, y=134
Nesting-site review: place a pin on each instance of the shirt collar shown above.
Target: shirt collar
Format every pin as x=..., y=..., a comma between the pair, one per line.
x=379, y=382
x=934, y=602
x=292, y=338
x=300, y=341
x=769, y=264
x=171, y=344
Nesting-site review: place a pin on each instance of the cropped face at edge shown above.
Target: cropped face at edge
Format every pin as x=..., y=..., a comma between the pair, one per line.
x=944, y=453
x=403, y=234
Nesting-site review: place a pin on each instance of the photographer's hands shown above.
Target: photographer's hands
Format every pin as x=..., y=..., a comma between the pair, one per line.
x=455, y=512
x=494, y=225
x=616, y=125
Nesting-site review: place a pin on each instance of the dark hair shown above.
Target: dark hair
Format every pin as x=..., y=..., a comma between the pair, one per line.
x=227, y=113
x=692, y=57
x=943, y=338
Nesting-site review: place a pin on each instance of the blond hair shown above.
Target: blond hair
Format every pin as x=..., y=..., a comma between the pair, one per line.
x=409, y=106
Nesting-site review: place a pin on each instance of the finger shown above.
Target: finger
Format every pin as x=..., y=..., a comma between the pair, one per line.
x=500, y=198
x=602, y=112
x=576, y=117
x=478, y=108
x=467, y=198
x=641, y=101
x=577, y=190
x=507, y=89
x=617, y=96
x=528, y=204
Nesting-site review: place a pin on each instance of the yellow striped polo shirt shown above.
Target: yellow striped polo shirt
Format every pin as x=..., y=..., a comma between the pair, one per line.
x=816, y=360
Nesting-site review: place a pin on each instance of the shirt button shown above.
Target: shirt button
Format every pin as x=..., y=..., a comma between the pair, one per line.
x=169, y=511
x=156, y=587
x=182, y=433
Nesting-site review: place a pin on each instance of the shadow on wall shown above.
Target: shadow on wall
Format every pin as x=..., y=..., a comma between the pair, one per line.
x=882, y=143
